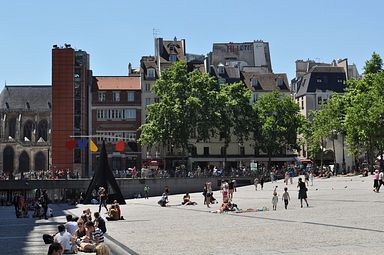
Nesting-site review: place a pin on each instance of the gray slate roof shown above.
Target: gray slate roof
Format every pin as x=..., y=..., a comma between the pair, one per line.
x=322, y=78
x=17, y=97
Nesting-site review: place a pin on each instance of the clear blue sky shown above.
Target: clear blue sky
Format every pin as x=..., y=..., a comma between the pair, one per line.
x=117, y=32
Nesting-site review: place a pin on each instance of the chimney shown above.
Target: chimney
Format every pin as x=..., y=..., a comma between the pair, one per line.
x=129, y=69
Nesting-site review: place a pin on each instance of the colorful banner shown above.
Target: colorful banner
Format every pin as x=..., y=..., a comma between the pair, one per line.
x=120, y=146
x=93, y=146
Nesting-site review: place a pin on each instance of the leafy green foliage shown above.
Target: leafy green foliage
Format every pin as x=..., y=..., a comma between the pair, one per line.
x=373, y=65
x=279, y=120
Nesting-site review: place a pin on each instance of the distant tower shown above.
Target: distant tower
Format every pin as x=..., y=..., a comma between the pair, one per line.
x=71, y=80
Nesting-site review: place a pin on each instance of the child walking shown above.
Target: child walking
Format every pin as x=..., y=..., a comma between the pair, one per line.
x=286, y=197
x=274, y=200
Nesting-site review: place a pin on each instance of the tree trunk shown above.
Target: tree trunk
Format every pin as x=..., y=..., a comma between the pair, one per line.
x=334, y=153
x=269, y=160
x=321, y=155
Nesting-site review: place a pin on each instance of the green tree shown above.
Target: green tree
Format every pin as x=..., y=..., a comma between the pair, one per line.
x=183, y=110
x=233, y=111
x=365, y=115
x=373, y=65
x=279, y=122
x=327, y=123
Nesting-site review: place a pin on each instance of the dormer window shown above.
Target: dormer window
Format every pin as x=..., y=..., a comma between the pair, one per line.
x=221, y=69
x=255, y=83
x=280, y=83
x=339, y=80
x=172, y=58
x=151, y=73
x=319, y=80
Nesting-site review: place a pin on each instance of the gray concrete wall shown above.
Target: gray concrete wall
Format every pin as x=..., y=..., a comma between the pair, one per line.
x=128, y=187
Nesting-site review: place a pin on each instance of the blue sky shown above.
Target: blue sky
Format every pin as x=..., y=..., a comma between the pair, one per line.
x=117, y=32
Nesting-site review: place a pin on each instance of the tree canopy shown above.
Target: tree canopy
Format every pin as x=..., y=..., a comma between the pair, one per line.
x=279, y=119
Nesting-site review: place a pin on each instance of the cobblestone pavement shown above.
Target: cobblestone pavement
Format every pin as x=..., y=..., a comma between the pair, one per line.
x=344, y=217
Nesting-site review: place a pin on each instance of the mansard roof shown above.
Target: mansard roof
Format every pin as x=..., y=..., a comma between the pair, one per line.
x=323, y=78
x=265, y=81
x=26, y=97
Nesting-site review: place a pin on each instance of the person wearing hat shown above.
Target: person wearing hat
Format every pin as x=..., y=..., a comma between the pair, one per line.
x=103, y=198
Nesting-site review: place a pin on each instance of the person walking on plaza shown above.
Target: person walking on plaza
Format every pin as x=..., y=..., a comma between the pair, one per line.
x=376, y=181
x=286, y=177
x=306, y=178
x=275, y=199
x=232, y=188
x=311, y=177
x=146, y=191
x=302, y=192
x=286, y=197
x=209, y=193
x=262, y=182
x=44, y=203
x=16, y=199
x=272, y=175
x=102, y=198
x=256, y=181
x=224, y=188
x=380, y=180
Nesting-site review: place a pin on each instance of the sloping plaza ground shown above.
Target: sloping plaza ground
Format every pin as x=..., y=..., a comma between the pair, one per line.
x=344, y=217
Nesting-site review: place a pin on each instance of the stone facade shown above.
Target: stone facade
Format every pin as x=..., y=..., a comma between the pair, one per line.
x=25, y=135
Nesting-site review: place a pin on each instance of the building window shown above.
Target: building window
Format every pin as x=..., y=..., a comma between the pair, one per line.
x=147, y=101
x=147, y=87
x=339, y=80
x=319, y=80
x=101, y=96
x=319, y=100
x=131, y=96
x=172, y=58
x=280, y=83
x=157, y=100
x=116, y=96
x=255, y=83
x=302, y=103
x=151, y=73
x=100, y=114
x=206, y=151
x=130, y=113
x=221, y=69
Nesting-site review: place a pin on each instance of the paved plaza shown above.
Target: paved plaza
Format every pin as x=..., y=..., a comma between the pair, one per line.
x=344, y=217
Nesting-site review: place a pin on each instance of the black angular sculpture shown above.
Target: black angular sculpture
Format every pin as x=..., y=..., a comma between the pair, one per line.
x=103, y=177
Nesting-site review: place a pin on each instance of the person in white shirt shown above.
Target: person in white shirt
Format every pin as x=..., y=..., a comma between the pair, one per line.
x=275, y=199
x=70, y=225
x=286, y=197
x=65, y=239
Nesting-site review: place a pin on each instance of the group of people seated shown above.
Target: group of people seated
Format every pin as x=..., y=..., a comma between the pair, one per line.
x=85, y=233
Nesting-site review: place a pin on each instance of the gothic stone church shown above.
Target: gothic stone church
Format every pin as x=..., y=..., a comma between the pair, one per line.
x=25, y=120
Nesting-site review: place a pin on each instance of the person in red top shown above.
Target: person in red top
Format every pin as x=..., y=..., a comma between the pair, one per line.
x=117, y=208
